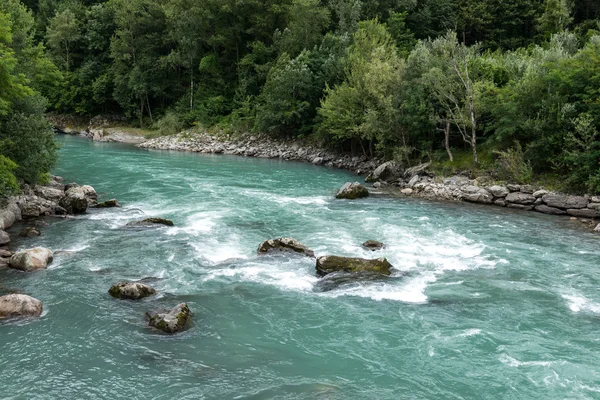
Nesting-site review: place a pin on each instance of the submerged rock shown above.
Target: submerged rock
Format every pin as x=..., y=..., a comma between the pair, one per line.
x=352, y=190
x=329, y=264
x=172, y=321
x=108, y=204
x=31, y=259
x=148, y=222
x=373, y=245
x=284, y=244
x=20, y=305
x=131, y=290
x=30, y=232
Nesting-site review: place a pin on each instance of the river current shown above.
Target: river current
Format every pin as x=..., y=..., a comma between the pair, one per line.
x=485, y=304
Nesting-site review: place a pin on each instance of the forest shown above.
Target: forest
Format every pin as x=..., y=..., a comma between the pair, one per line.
x=507, y=86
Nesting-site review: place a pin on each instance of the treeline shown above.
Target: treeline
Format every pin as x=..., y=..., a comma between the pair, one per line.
x=513, y=83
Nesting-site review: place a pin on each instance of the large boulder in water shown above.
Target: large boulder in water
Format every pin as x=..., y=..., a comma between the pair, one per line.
x=329, y=264
x=31, y=259
x=284, y=244
x=352, y=190
x=74, y=201
x=171, y=321
x=131, y=290
x=149, y=222
x=19, y=305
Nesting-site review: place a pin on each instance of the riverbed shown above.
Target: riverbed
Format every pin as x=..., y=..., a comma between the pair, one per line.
x=485, y=303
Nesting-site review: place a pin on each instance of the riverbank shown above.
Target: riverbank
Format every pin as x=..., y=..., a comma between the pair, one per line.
x=387, y=177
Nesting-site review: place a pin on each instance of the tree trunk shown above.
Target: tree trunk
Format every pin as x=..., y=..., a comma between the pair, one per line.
x=149, y=109
x=447, y=140
x=141, y=112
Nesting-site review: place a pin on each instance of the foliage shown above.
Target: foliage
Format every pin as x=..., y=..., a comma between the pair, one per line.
x=8, y=181
x=512, y=165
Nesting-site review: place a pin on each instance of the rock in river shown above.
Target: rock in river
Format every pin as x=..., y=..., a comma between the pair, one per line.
x=74, y=201
x=148, y=222
x=352, y=190
x=131, y=290
x=19, y=305
x=30, y=232
x=108, y=204
x=329, y=264
x=171, y=321
x=31, y=259
x=284, y=244
x=373, y=245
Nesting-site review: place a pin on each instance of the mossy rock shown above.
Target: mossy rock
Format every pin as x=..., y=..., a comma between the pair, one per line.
x=352, y=191
x=284, y=244
x=108, y=204
x=329, y=264
x=148, y=222
x=173, y=321
x=131, y=290
x=30, y=232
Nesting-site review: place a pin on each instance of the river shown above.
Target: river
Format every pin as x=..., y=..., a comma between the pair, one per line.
x=486, y=303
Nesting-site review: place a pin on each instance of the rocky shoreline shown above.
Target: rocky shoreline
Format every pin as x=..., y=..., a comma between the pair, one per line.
x=388, y=176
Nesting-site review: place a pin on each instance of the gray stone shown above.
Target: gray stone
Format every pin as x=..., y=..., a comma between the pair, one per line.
x=583, y=212
x=500, y=203
x=513, y=187
x=597, y=228
x=150, y=222
x=286, y=245
x=595, y=206
x=409, y=173
x=352, y=190
x=384, y=172
x=498, y=191
x=549, y=210
x=520, y=207
x=318, y=160
x=540, y=193
x=476, y=194
x=527, y=189
x=49, y=193
x=595, y=199
x=131, y=290
x=30, y=232
x=413, y=181
x=31, y=259
x=407, y=191
x=74, y=201
x=520, y=198
x=565, y=201
x=107, y=204
x=7, y=219
x=172, y=321
x=19, y=305
x=4, y=238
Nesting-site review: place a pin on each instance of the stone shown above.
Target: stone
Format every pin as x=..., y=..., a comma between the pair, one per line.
x=373, y=245
x=49, y=193
x=318, y=161
x=338, y=280
x=540, y=193
x=74, y=201
x=4, y=238
x=513, y=187
x=352, y=191
x=520, y=198
x=413, y=181
x=386, y=171
x=108, y=204
x=583, y=212
x=595, y=199
x=5, y=253
x=19, y=305
x=527, y=189
x=131, y=290
x=172, y=321
x=475, y=194
x=573, y=218
x=407, y=191
x=286, y=245
x=597, y=228
x=7, y=219
x=549, y=210
x=520, y=207
x=565, y=201
x=30, y=232
x=594, y=206
x=498, y=191
x=500, y=203
x=328, y=264
x=31, y=259
x=149, y=222
x=409, y=173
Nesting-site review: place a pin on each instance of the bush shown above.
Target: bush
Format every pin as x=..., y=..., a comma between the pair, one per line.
x=170, y=124
x=8, y=181
x=512, y=165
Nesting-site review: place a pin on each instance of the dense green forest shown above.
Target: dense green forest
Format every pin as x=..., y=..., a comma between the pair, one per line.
x=512, y=86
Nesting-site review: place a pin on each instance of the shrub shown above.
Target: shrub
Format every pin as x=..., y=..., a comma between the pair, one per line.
x=512, y=165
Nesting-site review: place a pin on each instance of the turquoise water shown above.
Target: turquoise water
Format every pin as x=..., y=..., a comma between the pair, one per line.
x=495, y=305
